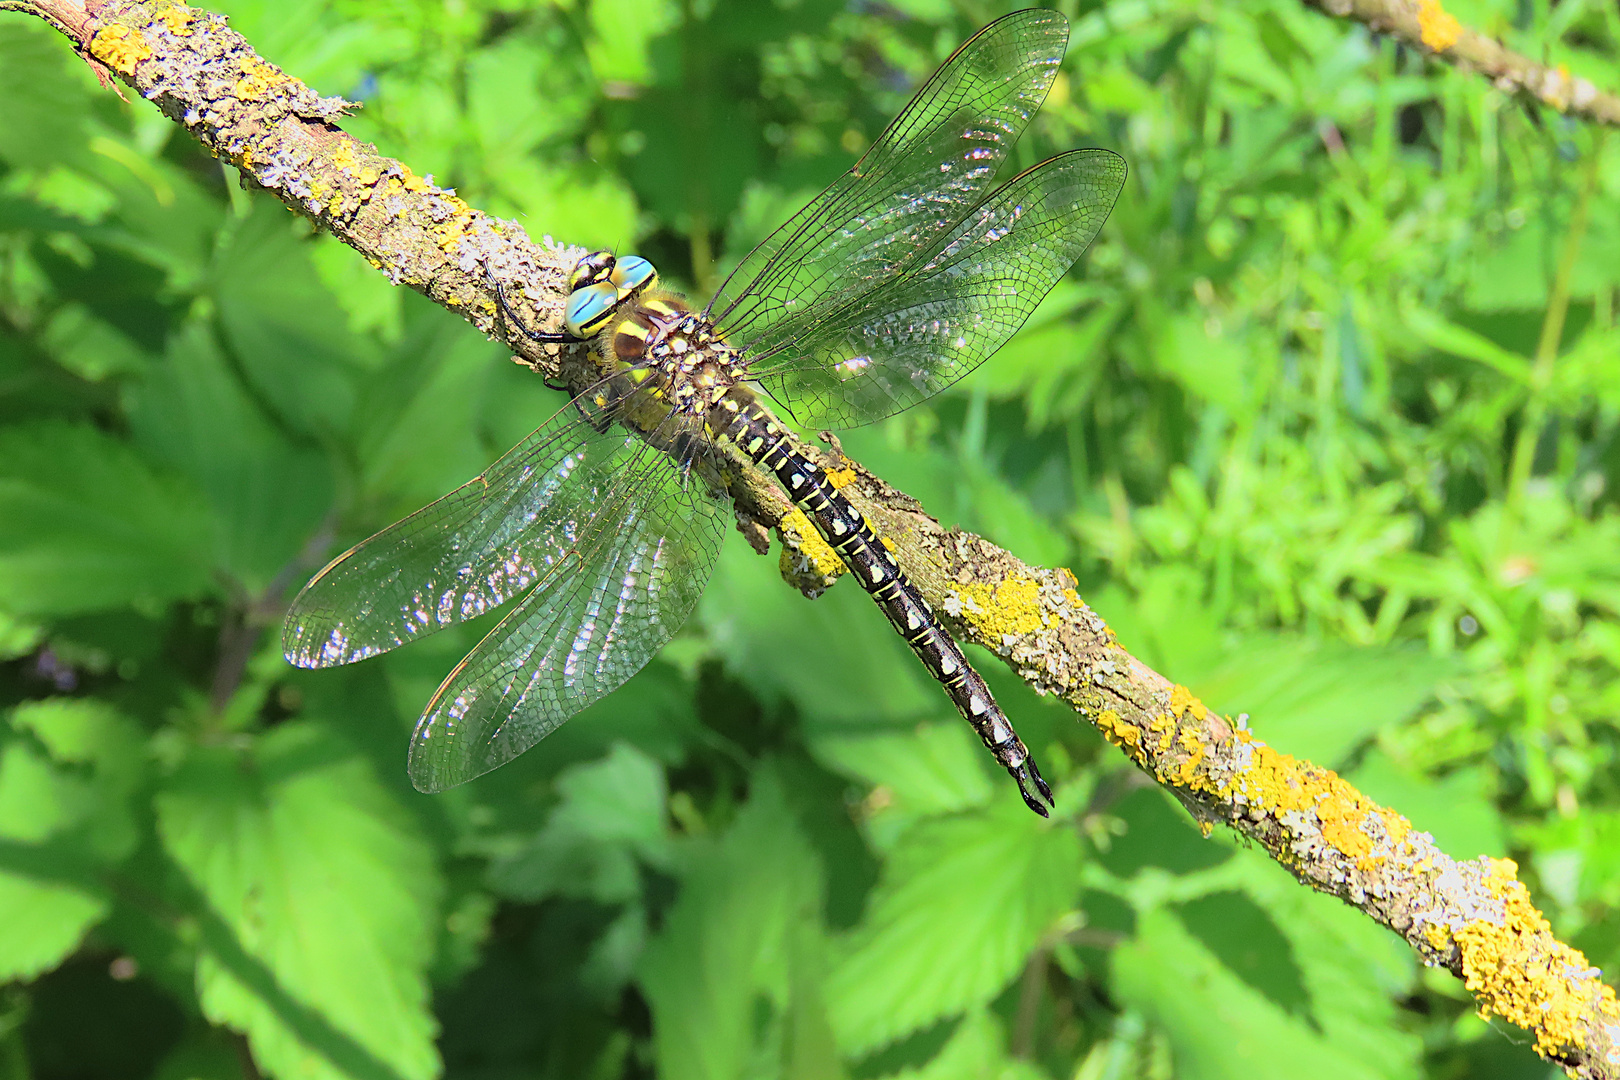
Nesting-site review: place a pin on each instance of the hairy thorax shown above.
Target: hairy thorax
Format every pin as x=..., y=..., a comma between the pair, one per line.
x=673, y=354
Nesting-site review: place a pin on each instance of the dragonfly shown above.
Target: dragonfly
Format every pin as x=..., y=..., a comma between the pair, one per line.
x=901, y=277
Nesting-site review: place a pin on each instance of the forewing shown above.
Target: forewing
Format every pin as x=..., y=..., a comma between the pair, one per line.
x=915, y=335
x=599, y=615
x=931, y=166
x=465, y=554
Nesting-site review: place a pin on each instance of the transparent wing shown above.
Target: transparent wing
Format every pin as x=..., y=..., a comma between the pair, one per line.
x=915, y=334
x=595, y=620
x=931, y=166
x=470, y=551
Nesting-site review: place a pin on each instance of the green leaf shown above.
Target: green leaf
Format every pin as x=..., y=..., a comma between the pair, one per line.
x=328, y=900
x=43, y=923
x=934, y=769
x=1157, y=832
x=1220, y=1024
x=1216, y=367
x=1243, y=937
x=43, y=120
x=85, y=524
x=623, y=30
x=67, y=812
x=268, y=494
x=1318, y=700
x=99, y=757
x=1468, y=344
x=976, y=1050
x=17, y=636
x=612, y=812
x=728, y=940
x=783, y=645
x=44, y=918
x=989, y=884
x=1221, y=1027
x=587, y=204
x=289, y=333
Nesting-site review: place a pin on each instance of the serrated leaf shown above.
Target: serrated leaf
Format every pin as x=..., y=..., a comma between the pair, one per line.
x=1219, y=1025
x=330, y=898
x=989, y=885
x=85, y=524
x=43, y=924
x=268, y=494
x=67, y=812
x=91, y=803
x=1240, y=933
x=82, y=731
x=728, y=940
x=289, y=333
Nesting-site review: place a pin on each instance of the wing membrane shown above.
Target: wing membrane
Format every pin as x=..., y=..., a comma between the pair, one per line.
x=471, y=551
x=598, y=618
x=931, y=166
x=913, y=335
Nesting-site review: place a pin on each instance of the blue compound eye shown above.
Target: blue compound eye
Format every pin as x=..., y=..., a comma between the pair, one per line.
x=632, y=273
x=590, y=308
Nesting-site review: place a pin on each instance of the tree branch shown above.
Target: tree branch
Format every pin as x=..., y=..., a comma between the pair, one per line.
x=1427, y=25
x=1473, y=918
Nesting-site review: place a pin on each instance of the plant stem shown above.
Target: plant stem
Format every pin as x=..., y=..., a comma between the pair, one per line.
x=1552, y=333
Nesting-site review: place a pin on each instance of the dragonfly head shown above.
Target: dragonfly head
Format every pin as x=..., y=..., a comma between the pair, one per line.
x=598, y=285
x=632, y=273
x=589, y=309
x=595, y=267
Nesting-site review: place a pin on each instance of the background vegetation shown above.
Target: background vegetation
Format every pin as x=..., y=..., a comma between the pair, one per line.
x=1327, y=429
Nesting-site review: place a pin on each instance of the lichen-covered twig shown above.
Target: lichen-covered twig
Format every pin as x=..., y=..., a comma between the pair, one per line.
x=1426, y=24
x=1473, y=918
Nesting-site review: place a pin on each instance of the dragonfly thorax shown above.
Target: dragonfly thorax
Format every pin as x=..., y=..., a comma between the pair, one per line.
x=661, y=342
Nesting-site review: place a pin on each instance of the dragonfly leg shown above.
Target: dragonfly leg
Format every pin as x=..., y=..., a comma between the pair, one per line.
x=506, y=309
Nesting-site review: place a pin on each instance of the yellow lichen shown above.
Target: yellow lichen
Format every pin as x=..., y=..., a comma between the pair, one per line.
x=343, y=157
x=1126, y=736
x=179, y=19
x=1196, y=751
x=1438, y=27
x=841, y=478
x=1281, y=784
x=1182, y=699
x=120, y=48
x=1013, y=607
x=1517, y=970
x=258, y=79
x=1438, y=937
x=801, y=538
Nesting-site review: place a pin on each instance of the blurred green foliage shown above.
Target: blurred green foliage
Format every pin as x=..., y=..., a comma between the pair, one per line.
x=1327, y=429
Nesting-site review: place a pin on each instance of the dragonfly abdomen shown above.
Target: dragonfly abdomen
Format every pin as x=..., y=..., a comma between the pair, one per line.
x=742, y=420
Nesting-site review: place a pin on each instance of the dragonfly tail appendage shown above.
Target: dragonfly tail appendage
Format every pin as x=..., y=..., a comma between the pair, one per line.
x=739, y=418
